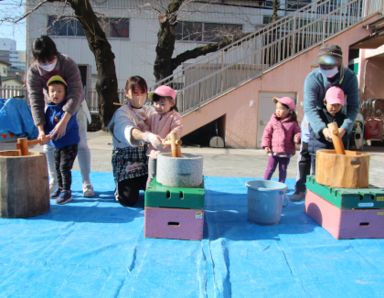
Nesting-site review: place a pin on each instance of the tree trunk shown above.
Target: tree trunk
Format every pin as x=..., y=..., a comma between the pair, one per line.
x=106, y=85
x=275, y=10
x=166, y=39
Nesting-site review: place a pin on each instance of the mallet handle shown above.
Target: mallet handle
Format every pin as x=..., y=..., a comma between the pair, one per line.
x=336, y=140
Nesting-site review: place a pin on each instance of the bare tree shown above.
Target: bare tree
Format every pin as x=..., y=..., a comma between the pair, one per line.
x=165, y=64
x=106, y=84
x=275, y=10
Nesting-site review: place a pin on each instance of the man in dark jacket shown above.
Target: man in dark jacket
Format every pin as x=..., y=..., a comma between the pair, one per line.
x=330, y=72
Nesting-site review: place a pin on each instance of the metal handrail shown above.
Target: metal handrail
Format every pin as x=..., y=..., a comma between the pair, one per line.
x=209, y=76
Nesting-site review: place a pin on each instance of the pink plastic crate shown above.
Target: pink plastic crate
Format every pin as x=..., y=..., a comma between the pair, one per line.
x=174, y=223
x=345, y=223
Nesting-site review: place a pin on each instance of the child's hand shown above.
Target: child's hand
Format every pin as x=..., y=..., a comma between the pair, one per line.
x=59, y=130
x=342, y=132
x=166, y=143
x=267, y=149
x=327, y=134
x=43, y=138
x=153, y=139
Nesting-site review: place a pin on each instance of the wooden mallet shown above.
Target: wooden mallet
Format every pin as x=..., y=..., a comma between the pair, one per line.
x=175, y=143
x=23, y=144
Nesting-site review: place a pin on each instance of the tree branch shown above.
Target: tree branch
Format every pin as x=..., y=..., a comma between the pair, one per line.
x=202, y=50
x=31, y=11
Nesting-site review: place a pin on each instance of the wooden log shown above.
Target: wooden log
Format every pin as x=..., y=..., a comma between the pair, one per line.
x=349, y=170
x=24, y=190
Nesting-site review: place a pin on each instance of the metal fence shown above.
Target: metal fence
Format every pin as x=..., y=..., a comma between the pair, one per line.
x=92, y=97
x=12, y=92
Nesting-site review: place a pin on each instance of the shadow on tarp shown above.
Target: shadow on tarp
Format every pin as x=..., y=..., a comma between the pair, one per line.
x=226, y=216
x=101, y=209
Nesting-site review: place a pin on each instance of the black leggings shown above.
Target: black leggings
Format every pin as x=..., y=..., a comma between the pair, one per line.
x=64, y=158
x=128, y=190
x=304, y=165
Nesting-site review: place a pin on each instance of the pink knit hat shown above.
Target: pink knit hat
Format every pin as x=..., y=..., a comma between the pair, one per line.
x=289, y=102
x=335, y=95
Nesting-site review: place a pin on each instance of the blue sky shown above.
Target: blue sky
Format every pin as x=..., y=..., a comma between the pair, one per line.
x=12, y=9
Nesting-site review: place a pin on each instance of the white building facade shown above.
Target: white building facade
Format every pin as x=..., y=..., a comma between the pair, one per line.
x=131, y=27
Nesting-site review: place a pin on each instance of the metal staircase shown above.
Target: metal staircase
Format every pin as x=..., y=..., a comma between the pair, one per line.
x=212, y=75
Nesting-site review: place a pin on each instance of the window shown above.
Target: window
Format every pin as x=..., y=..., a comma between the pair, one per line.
x=296, y=4
x=207, y=32
x=119, y=28
x=193, y=31
x=69, y=26
x=267, y=19
x=215, y=32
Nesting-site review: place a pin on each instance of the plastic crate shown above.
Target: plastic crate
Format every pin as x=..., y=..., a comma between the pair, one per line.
x=348, y=198
x=173, y=223
x=345, y=223
x=161, y=196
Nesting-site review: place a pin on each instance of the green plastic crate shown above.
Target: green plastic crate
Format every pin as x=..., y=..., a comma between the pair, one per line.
x=348, y=198
x=158, y=195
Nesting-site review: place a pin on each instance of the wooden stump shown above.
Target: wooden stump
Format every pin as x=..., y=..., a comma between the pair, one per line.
x=349, y=170
x=24, y=190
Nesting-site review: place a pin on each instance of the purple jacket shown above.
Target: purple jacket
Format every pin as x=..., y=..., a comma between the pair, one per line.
x=281, y=135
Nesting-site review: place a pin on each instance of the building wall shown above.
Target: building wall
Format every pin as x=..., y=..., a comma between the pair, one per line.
x=136, y=55
x=12, y=83
x=240, y=106
x=3, y=69
x=372, y=73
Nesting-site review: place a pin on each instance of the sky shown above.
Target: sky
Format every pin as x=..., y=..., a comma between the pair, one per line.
x=12, y=9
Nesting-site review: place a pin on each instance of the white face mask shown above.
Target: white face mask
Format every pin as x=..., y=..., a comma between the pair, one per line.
x=329, y=73
x=48, y=66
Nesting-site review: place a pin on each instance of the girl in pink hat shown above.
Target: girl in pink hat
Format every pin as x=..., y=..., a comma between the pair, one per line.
x=162, y=122
x=280, y=135
x=332, y=111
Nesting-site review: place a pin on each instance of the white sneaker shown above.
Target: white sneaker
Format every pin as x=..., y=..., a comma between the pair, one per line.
x=88, y=191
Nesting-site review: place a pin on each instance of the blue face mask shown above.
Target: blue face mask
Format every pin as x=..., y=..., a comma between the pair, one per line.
x=329, y=73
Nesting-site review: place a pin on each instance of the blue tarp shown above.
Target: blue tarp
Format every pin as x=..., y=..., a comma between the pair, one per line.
x=16, y=118
x=96, y=248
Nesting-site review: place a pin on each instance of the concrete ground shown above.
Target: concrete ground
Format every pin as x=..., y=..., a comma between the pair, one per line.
x=227, y=162
x=217, y=161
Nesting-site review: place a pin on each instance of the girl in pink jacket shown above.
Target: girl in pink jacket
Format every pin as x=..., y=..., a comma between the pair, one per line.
x=280, y=135
x=162, y=122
